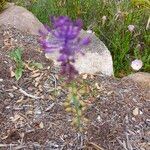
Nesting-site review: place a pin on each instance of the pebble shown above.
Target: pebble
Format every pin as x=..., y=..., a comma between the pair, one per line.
x=1, y=80
x=48, y=67
x=133, y=119
x=38, y=112
x=136, y=111
x=99, y=118
x=41, y=125
x=141, y=113
x=7, y=107
x=11, y=95
x=85, y=76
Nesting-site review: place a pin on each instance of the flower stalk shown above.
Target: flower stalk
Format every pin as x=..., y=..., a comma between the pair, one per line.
x=64, y=37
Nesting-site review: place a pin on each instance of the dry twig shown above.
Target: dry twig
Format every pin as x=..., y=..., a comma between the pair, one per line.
x=28, y=95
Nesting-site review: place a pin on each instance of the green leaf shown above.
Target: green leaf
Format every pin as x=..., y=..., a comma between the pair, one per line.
x=16, y=55
x=18, y=73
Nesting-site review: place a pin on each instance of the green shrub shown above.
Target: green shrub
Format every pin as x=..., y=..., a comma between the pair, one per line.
x=2, y=5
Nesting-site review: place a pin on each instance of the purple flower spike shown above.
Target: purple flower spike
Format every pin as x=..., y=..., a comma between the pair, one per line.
x=64, y=37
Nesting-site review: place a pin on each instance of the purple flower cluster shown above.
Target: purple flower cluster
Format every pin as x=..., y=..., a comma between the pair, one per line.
x=64, y=37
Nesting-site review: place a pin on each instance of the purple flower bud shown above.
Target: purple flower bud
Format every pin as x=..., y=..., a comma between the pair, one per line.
x=63, y=58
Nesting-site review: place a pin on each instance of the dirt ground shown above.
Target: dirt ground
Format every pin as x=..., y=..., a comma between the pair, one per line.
x=32, y=115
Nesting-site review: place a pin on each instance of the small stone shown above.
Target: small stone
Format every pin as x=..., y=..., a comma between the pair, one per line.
x=84, y=76
x=42, y=97
x=133, y=119
x=136, y=111
x=1, y=80
x=141, y=113
x=48, y=67
x=97, y=86
x=11, y=95
x=99, y=118
x=38, y=112
x=40, y=88
x=41, y=125
x=36, y=84
x=7, y=107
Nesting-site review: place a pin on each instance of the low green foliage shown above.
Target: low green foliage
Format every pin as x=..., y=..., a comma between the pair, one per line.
x=112, y=29
x=16, y=55
x=2, y=4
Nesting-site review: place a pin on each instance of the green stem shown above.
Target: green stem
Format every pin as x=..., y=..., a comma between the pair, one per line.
x=76, y=102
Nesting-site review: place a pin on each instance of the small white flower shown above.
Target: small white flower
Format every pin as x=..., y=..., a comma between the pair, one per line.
x=99, y=119
x=89, y=31
x=131, y=28
x=104, y=18
x=136, y=64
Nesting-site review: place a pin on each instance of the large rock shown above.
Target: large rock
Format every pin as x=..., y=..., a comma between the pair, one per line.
x=142, y=78
x=97, y=57
x=21, y=19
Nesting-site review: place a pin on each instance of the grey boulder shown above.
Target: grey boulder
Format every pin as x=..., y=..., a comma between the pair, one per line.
x=20, y=18
x=97, y=57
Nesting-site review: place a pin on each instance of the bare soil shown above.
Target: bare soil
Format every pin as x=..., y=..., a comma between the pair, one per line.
x=32, y=115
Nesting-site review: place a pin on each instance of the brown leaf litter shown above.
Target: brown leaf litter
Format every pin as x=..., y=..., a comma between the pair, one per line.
x=32, y=115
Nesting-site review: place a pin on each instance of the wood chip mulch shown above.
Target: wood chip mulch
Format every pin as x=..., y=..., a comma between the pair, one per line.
x=32, y=115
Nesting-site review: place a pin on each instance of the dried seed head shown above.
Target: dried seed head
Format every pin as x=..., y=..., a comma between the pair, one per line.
x=66, y=104
x=69, y=109
x=131, y=28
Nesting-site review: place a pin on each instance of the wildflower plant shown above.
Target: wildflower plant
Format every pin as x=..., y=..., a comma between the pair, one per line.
x=64, y=38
